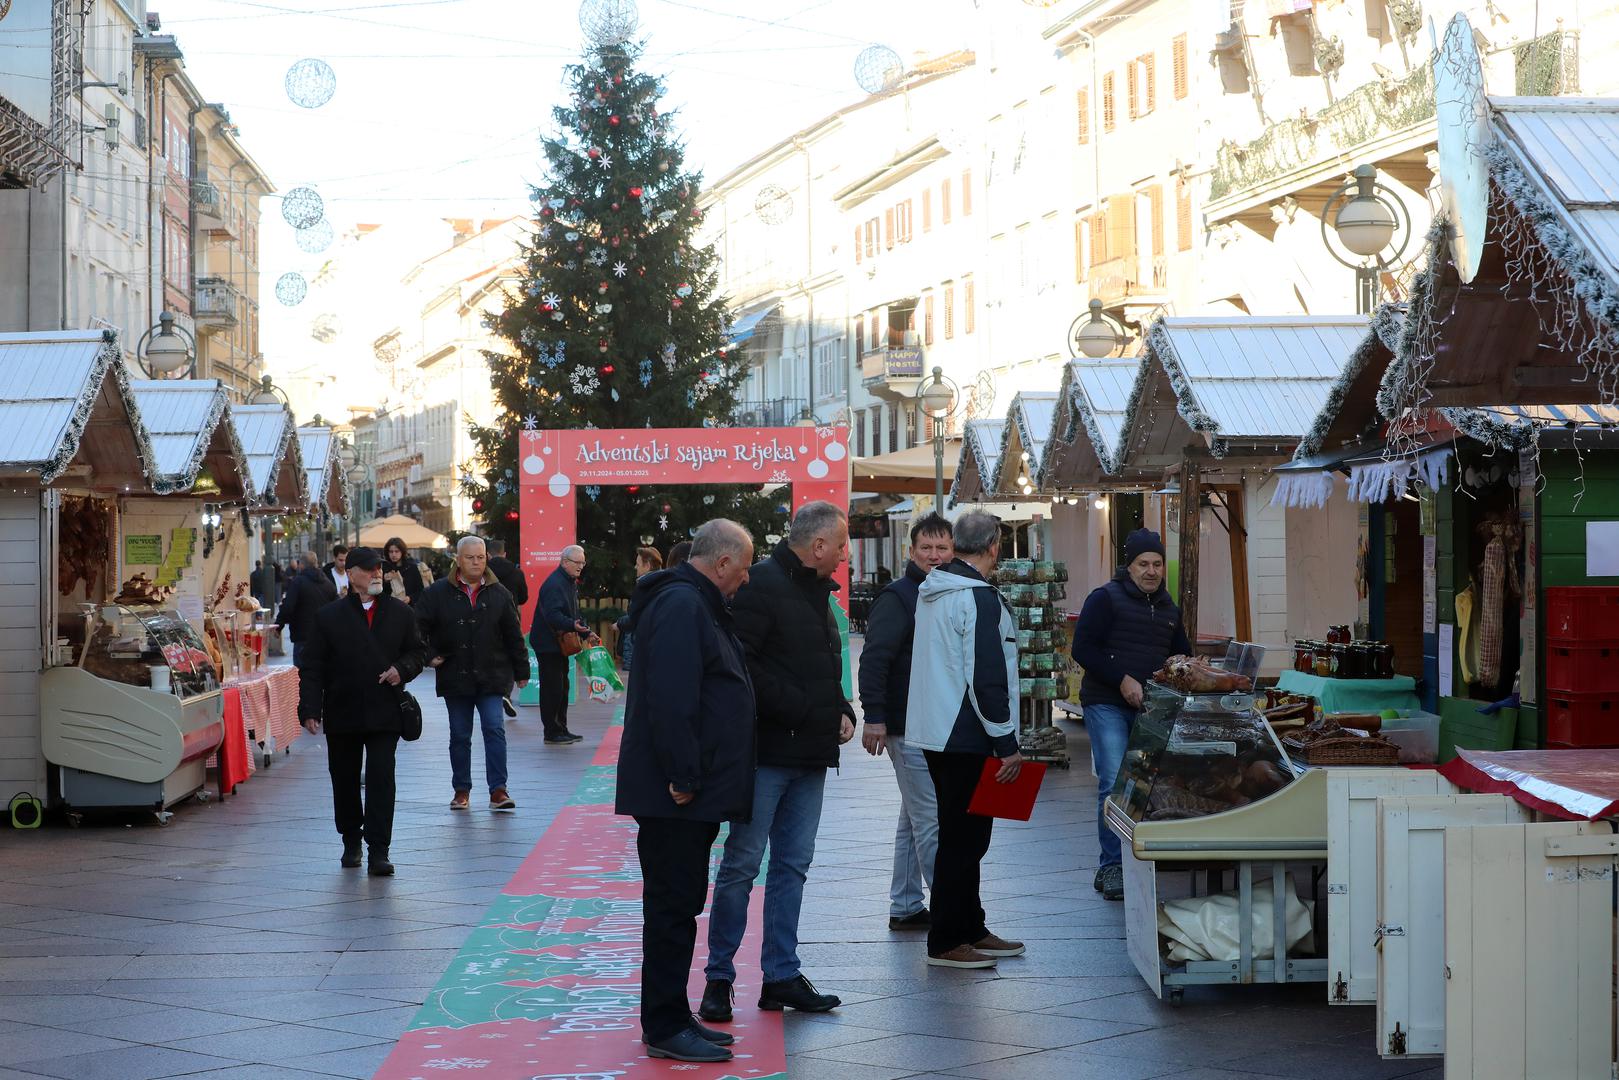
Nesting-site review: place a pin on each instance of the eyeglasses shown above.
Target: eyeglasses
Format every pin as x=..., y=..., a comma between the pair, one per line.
x=575, y=562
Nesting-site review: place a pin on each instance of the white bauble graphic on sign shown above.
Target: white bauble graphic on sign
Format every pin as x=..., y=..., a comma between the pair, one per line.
x=560, y=485
x=533, y=464
x=817, y=469
x=835, y=451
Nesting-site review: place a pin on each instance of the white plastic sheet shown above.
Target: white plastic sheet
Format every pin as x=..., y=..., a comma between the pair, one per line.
x=1207, y=927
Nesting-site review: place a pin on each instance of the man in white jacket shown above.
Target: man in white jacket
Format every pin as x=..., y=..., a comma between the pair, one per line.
x=961, y=710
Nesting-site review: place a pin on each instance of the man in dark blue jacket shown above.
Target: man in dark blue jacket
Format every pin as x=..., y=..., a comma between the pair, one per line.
x=885, y=683
x=685, y=765
x=557, y=613
x=1126, y=630
x=306, y=594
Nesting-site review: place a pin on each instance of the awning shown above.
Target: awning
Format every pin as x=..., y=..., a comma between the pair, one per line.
x=274, y=460
x=901, y=508
x=376, y=534
x=905, y=472
x=743, y=328
x=1023, y=442
x=323, y=471
x=196, y=448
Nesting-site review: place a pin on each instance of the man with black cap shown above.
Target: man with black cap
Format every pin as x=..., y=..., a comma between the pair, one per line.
x=364, y=649
x=1126, y=630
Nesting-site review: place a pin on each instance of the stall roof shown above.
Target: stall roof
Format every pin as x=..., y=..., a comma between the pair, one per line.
x=186, y=421
x=274, y=462
x=904, y=472
x=1092, y=401
x=65, y=399
x=980, y=450
x=1349, y=414
x=1254, y=382
x=323, y=473
x=1539, y=322
x=1028, y=424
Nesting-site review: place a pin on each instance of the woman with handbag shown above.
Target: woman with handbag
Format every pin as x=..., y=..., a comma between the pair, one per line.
x=556, y=635
x=364, y=649
x=402, y=573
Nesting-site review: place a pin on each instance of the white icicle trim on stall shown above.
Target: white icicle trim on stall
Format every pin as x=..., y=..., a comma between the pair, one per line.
x=1391, y=478
x=1303, y=490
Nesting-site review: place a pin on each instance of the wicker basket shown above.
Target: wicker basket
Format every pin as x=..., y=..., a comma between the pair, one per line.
x=1349, y=751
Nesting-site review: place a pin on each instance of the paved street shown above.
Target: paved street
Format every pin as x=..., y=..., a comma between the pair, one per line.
x=230, y=944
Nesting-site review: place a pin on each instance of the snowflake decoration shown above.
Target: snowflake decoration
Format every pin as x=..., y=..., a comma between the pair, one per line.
x=646, y=373
x=549, y=358
x=605, y=161
x=669, y=357
x=594, y=492
x=780, y=477
x=556, y=316
x=545, y=232
x=598, y=256
x=571, y=264
x=619, y=269
x=456, y=1064
x=551, y=301
x=531, y=338
x=571, y=236
x=533, y=289
x=531, y=422
x=502, y=488
x=666, y=216
x=691, y=399
x=583, y=379
x=663, y=522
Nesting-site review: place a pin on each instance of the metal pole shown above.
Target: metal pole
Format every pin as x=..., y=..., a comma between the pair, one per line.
x=938, y=467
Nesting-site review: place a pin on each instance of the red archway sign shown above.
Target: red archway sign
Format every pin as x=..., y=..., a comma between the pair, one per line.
x=556, y=466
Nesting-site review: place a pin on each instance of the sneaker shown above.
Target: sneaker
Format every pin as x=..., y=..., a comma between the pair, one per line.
x=716, y=1004
x=508, y=708
x=997, y=946
x=1110, y=882
x=462, y=800
x=499, y=800
x=962, y=956
x=916, y=920
x=796, y=993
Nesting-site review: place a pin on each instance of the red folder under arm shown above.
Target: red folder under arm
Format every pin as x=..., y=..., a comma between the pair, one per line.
x=1014, y=801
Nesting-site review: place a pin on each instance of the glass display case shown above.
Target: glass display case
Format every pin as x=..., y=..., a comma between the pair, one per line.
x=147, y=646
x=1192, y=755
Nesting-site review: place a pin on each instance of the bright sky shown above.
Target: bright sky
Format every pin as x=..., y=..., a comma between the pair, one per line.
x=439, y=103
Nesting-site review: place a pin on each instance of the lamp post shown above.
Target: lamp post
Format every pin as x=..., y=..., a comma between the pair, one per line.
x=166, y=349
x=268, y=393
x=1366, y=217
x=936, y=397
x=1094, y=335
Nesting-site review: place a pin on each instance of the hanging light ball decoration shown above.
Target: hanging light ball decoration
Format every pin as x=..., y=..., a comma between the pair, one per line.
x=878, y=68
x=1094, y=335
x=291, y=288
x=608, y=22
x=311, y=83
x=316, y=238
x=773, y=205
x=302, y=207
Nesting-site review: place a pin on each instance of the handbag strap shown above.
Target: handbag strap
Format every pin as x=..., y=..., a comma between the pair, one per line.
x=371, y=644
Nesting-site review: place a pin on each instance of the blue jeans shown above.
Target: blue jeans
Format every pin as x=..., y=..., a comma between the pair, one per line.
x=1109, y=728
x=494, y=740
x=786, y=813
x=916, y=837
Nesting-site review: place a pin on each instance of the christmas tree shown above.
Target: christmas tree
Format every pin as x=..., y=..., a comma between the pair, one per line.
x=615, y=322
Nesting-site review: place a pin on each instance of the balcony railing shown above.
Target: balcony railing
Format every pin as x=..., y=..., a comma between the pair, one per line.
x=880, y=365
x=216, y=303
x=775, y=412
x=204, y=195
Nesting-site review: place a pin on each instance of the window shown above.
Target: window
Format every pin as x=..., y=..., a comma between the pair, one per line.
x=860, y=337
x=910, y=426
x=871, y=238
x=888, y=229
x=1155, y=197
x=944, y=202
x=927, y=319
x=876, y=342
x=1178, y=62
x=969, y=308
x=966, y=193
x=927, y=209
x=902, y=221
x=1141, y=81
x=1098, y=243
x=893, y=428
x=1109, y=104
x=876, y=430
x=1081, y=227
x=828, y=371
x=859, y=434
x=1183, y=214
x=1084, y=116
x=857, y=245
x=949, y=312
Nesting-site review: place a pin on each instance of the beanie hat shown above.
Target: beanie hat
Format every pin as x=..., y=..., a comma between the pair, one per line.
x=1142, y=542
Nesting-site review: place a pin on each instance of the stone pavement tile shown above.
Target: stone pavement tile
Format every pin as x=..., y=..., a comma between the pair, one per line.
x=445, y=937
x=1030, y=995
x=253, y=1072
x=128, y=1063
x=809, y=1068
x=207, y=989
x=37, y=987
x=1066, y=1065
x=361, y=1062
x=383, y=984
x=1187, y=1046
x=1052, y=1032
x=276, y=1043
x=430, y=962
x=918, y=1053
x=160, y=1025
x=65, y=945
x=802, y=1035
x=295, y=1008
x=911, y=1017
x=228, y=965
x=1322, y=1063
x=383, y=1023
x=31, y=1043
x=1141, y=1007
x=44, y=1008
x=23, y=970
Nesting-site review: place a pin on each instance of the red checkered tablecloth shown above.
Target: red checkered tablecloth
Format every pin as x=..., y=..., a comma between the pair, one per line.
x=270, y=706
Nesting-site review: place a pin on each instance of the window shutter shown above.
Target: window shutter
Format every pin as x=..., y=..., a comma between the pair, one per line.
x=888, y=229
x=906, y=222
x=876, y=341
x=1080, y=227
x=857, y=245
x=1179, y=63
x=949, y=312
x=969, y=306
x=1150, y=73
x=1132, y=88
x=860, y=434
x=927, y=322
x=966, y=193
x=1155, y=196
x=1109, y=104
x=1183, y=214
x=944, y=202
x=1121, y=226
x=1084, y=116
x=1098, y=238
x=860, y=336
x=927, y=209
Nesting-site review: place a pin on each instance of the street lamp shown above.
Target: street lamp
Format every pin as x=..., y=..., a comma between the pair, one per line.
x=166, y=351
x=1366, y=216
x=1095, y=336
x=936, y=397
x=268, y=393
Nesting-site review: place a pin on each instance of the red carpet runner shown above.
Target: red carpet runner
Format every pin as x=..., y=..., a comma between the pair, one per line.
x=548, y=987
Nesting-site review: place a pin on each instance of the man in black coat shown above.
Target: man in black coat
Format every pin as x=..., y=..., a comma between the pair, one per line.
x=507, y=572
x=885, y=683
x=307, y=592
x=685, y=765
x=795, y=657
x=557, y=613
x=364, y=649
x=469, y=622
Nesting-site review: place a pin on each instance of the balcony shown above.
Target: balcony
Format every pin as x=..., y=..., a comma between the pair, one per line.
x=775, y=412
x=216, y=305
x=1128, y=280
x=892, y=373
x=208, y=204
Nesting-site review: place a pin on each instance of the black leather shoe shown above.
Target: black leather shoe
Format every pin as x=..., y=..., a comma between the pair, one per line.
x=351, y=852
x=796, y=993
x=717, y=999
x=687, y=1045
x=378, y=865
x=713, y=1035
x=916, y=920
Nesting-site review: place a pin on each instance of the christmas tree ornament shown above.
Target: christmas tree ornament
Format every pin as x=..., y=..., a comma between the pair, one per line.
x=619, y=269
x=608, y=22
x=570, y=236
x=594, y=492
x=614, y=393
x=635, y=192
x=310, y=83
x=604, y=309
x=663, y=522
x=683, y=289
x=708, y=500
x=613, y=121
x=531, y=422
x=605, y=161
x=594, y=152
x=608, y=369
x=663, y=166
x=602, y=345
x=646, y=372
x=617, y=207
